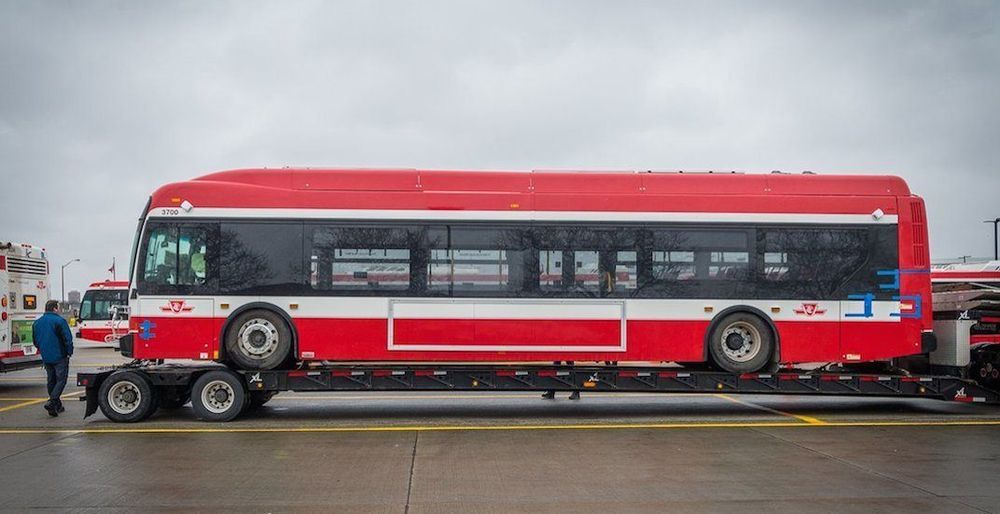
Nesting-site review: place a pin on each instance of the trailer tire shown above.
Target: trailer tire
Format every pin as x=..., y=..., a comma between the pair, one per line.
x=126, y=397
x=258, y=339
x=741, y=342
x=218, y=396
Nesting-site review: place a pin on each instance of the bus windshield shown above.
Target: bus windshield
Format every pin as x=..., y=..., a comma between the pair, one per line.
x=96, y=305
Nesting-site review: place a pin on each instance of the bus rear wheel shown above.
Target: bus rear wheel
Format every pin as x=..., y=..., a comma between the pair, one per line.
x=218, y=396
x=258, y=339
x=741, y=343
x=127, y=397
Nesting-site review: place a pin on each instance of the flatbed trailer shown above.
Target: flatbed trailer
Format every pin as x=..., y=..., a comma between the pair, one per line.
x=217, y=393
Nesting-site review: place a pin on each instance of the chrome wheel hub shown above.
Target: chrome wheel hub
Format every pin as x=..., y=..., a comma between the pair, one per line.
x=124, y=397
x=258, y=338
x=218, y=396
x=741, y=341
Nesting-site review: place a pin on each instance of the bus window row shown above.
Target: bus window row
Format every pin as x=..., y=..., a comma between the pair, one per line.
x=529, y=260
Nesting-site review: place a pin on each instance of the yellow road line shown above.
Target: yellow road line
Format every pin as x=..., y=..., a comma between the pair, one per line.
x=459, y=428
x=36, y=402
x=808, y=419
x=471, y=396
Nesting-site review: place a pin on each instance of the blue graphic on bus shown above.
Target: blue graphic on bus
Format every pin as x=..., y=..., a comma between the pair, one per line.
x=146, y=330
x=868, y=299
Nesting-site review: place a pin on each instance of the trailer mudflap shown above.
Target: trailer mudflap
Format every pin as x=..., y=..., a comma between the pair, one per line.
x=92, y=384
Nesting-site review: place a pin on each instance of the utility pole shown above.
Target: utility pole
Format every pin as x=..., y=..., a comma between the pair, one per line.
x=996, y=238
x=63, y=279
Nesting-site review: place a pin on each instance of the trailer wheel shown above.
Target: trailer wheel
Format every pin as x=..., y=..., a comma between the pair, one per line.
x=218, y=396
x=741, y=343
x=126, y=397
x=258, y=339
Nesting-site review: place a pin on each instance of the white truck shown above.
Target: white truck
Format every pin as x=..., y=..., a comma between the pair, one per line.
x=24, y=289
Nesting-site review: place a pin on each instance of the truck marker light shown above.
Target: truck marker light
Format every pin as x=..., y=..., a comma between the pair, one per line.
x=589, y=384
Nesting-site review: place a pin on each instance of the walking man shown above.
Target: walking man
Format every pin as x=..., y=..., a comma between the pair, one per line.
x=54, y=340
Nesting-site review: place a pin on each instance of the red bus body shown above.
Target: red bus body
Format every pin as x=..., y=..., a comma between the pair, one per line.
x=178, y=325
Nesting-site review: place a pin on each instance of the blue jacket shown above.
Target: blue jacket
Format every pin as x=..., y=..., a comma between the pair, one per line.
x=52, y=336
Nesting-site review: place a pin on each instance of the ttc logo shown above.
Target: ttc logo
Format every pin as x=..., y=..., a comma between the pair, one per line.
x=913, y=303
x=810, y=309
x=176, y=307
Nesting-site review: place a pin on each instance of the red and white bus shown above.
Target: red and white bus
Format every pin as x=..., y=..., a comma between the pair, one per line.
x=98, y=321
x=972, y=289
x=262, y=267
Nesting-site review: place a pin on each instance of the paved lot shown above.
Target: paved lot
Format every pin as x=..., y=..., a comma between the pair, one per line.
x=437, y=452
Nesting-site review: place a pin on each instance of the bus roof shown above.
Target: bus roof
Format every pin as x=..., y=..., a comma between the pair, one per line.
x=109, y=284
x=534, y=190
x=966, y=272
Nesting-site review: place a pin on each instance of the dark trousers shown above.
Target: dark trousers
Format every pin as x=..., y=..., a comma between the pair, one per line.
x=57, y=373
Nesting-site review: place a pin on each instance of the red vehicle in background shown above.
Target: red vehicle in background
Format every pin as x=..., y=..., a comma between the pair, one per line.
x=262, y=268
x=98, y=320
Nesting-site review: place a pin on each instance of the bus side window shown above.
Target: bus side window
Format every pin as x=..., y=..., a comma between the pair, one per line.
x=176, y=258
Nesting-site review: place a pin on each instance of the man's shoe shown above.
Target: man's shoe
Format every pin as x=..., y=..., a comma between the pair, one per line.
x=575, y=395
x=549, y=395
x=61, y=409
x=51, y=410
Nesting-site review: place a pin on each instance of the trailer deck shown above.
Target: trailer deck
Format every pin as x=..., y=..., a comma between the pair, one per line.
x=173, y=380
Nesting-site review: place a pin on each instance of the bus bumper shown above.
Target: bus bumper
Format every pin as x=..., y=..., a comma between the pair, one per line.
x=125, y=345
x=8, y=364
x=928, y=342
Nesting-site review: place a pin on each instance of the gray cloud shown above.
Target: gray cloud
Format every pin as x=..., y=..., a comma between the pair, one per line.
x=101, y=102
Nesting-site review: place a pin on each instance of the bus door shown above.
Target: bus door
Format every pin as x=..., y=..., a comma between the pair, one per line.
x=173, y=309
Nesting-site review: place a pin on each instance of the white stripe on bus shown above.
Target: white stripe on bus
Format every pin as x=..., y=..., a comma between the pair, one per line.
x=526, y=215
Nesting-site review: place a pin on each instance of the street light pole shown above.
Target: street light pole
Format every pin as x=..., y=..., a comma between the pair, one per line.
x=996, y=238
x=63, y=275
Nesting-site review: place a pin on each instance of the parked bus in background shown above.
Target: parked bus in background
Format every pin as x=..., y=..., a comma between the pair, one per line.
x=98, y=321
x=972, y=287
x=24, y=289
x=261, y=268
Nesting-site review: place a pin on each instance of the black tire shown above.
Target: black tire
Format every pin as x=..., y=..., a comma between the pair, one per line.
x=259, y=398
x=741, y=343
x=126, y=397
x=218, y=396
x=258, y=339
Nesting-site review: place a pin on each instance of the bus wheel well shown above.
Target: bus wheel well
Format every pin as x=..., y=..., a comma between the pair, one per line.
x=775, y=358
x=258, y=306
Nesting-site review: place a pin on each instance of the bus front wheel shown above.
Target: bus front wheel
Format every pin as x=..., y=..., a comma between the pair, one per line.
x=258, y=339
x=741, y=343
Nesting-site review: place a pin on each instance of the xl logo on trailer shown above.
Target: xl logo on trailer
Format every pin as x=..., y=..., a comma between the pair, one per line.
x=176, y=307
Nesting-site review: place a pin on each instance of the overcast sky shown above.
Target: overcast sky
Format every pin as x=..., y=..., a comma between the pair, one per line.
x=101, y=102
